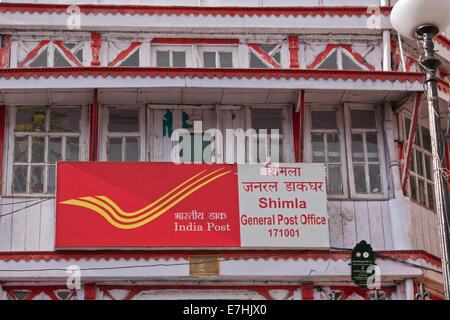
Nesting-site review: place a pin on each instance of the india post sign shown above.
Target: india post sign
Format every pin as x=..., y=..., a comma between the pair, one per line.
x=137, y=205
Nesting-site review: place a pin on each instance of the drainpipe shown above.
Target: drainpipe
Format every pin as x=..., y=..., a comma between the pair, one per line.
x=386, y=44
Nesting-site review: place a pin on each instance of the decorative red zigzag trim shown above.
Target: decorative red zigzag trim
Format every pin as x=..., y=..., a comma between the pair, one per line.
x=196, y=11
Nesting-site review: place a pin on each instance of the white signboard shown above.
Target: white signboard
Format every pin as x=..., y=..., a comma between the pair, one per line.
x=283, y=206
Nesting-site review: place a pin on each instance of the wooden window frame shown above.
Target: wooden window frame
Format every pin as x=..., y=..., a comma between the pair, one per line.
x=8, y=179
x=342, y=142
x=286, y=135
x=406, y=114
x=105, y=134
x=189, y=49
x=339, y=52
x=382, y=157
x=200, y=49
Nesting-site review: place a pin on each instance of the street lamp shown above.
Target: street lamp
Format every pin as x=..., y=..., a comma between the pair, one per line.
x=423, y=20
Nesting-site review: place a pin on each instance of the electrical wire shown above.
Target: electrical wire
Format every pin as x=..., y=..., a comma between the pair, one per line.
x=20, y=209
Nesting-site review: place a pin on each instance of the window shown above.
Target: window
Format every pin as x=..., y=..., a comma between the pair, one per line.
x=41, y=137
x=265, y=55
x=217, y=56
x=171, y=56
x=50, y=53
x=366, y=157
x=421, y=188
x=340, y=59
x=268, y=124
x=348, y=141
x=123, y=134
x=327, y=146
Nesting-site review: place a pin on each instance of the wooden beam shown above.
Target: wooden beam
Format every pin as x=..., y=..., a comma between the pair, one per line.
x=2, y=141
x=93, y=137
x=412, y=135
x=298, y=118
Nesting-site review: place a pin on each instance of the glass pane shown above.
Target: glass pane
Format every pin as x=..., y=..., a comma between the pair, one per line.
x=372, y=147
x=426, y=139
x=30, y=119
x=419, y=163
x=132, y=60
x=375, y=178
x=334, y=180
x=333, y=148
x=360, y=178
x=37, y=149
x=428, y=168
x=40, y=60
x=179, y=59
x=63, y=119
x=430, y=191
x=323, y=119
x=51, y=183
x=163, y=58
x=132, y=149
x=363, y=119
x=20, y=179
x=357, y=147
x=21, y=149
x=226, y=59
x=255, y=62
x=72, y=149
x=267, y=119
x=115, y=149
x=413, y=162
x=123, y=120
x=407, y=126
x=330, y=62
x=209, y=59
x=422, y=197
x=59, y=60
x=413, y=186
x=318, y=147
x=37, y=180
x=349, y=64
x=54, y=149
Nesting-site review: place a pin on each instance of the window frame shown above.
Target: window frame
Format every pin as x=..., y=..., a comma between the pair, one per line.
x=190, y=62
x=8, y=179
x=217, y=48
x=382, y=156
x=342, y=142
x=406, y=114
x=105, y=134
x=339, y=53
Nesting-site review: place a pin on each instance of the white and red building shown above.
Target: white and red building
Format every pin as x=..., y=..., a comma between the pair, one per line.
x=96, y=82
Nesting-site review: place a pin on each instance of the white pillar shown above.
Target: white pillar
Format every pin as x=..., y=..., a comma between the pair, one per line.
x=386, y=50
x=409, y=289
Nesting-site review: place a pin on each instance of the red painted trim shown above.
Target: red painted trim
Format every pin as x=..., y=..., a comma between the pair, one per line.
x=447, y=159
x=322, y=56
x=410, y=63
x=296, y=133
x=293, y=52
x=67, y=53
x=401, y=156
x=124, y=54
x=412, y=135
x=36, y=290
x=96, y=44
x=93, y=134
x=194, y=41
x=302, y=126
x=443, y=41
x=228, y=255
x=357, y=56
x=2, y=141
x=89, y=291
x=347, y=291
x=33, y=53
x=358, y=11
x=4, y=52
x=134, y=290
x=247, y=73
x=307, y=291
x=264, y=55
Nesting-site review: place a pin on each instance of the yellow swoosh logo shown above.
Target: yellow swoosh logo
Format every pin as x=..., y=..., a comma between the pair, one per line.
x=121, y=219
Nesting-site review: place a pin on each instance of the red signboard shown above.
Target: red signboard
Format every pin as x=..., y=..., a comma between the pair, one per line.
x=139, y=204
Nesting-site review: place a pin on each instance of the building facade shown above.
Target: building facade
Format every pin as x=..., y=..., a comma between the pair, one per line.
x=109, y=81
